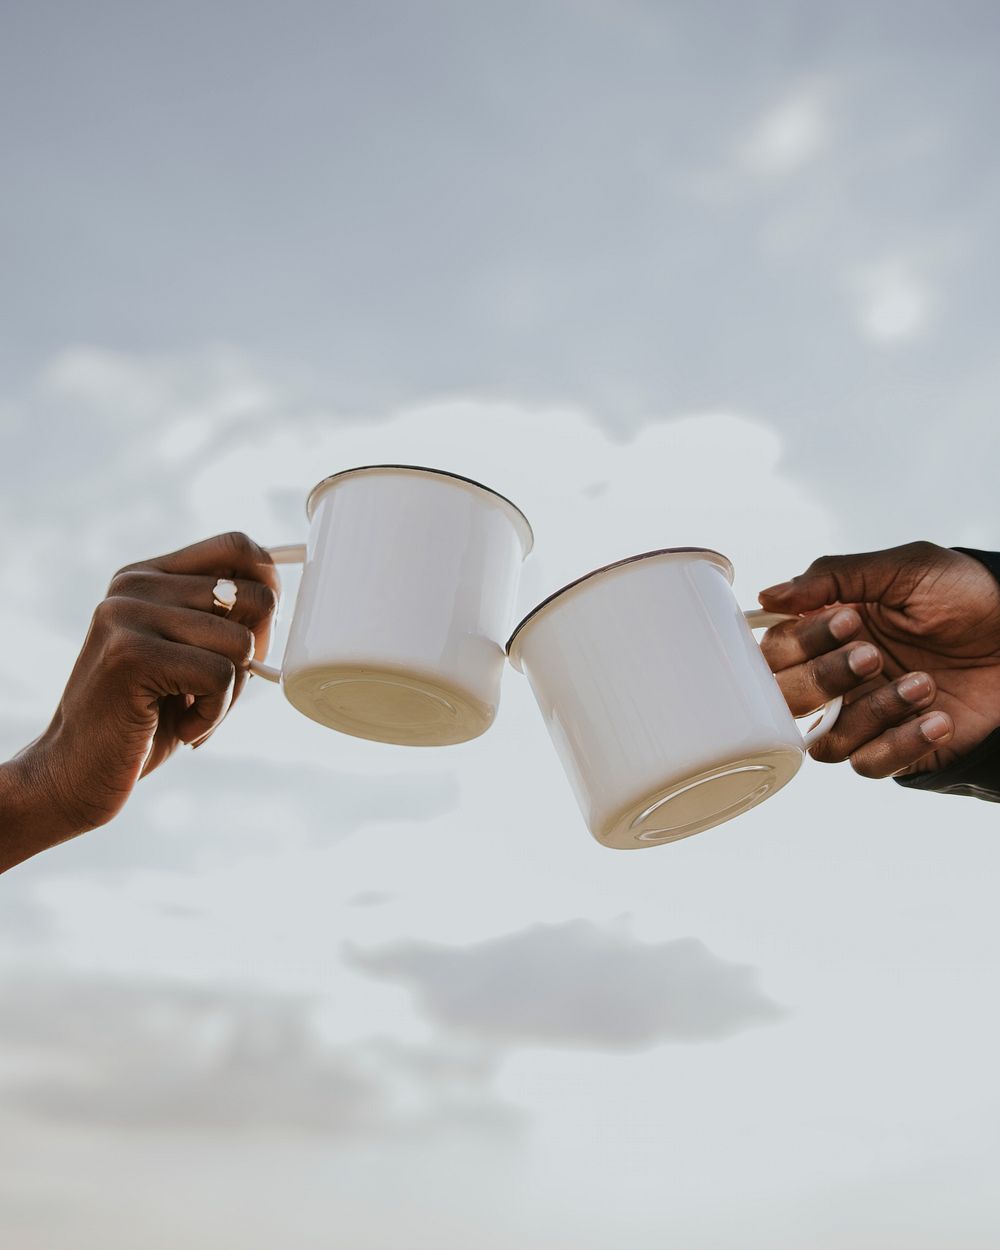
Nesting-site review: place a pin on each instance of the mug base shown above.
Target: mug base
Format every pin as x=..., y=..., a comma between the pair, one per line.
x=388, y=705
x=701, y=800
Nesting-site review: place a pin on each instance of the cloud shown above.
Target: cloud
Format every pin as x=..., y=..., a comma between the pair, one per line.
x=199, y=807
x=100, y=445
x=576, y=984
x=545, y=247
x=692, y=480
x=26, y=924
x=894, y=301
x=114, y=490
x=370, y=898
x=138, y=1056
x=787, y=136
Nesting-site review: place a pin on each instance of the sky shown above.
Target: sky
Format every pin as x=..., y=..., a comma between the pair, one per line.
x=664, y=274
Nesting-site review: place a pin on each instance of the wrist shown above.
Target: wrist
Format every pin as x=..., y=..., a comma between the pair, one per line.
x=31, y=818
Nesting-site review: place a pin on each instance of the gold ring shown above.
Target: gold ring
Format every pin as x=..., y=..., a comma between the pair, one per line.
x=224, y=594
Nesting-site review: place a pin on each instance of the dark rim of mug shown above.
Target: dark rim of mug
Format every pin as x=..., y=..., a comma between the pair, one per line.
x=420, y=468
x=718, y=558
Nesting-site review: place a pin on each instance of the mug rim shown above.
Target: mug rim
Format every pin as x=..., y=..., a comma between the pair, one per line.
x=420, y=468
x=716, y=558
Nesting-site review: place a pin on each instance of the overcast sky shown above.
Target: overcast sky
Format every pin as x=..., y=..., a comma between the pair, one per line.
x=665, y=274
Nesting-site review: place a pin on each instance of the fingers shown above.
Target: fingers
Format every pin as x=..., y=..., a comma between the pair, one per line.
x=187, y=578
x=896, y=749
x=884, y=727
x=154, y=666
x=163, y=650
x=194, y=629
x=794, y=642
x=218, y=634
x=204, y=716
x=226, y=555
x=255, y=601
x=883, y=732
x=886, y=577
x=807, y=687
x=812, y=665
x=207, y=675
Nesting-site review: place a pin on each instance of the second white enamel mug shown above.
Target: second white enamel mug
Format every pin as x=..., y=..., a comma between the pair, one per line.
x=661, y=706
x=407, y=593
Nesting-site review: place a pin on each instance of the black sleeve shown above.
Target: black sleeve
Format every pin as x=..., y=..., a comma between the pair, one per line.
x=978, y=773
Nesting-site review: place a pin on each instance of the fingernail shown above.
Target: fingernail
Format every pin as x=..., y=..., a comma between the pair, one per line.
x=844, y=624
x=204, y=738
x=778, y=592
x=863, y=660
x=935, y=727
x=914, y=687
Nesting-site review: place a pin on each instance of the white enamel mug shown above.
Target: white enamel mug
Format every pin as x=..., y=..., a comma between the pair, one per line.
x=408, y=586
x=661, y=706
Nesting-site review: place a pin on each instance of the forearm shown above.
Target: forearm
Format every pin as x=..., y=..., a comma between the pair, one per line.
x=30, y=821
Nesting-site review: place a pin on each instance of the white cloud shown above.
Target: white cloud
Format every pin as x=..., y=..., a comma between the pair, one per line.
x=894, y=301
x=141, y=1056
x=464, y=209
x=787, y=136
x=462, y=849
x=211, y=388
x=576, y=984
x=196, y=811
x=690, y=480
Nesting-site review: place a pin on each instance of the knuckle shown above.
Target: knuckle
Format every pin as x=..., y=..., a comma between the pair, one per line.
x=120, y=612
x=128, y=568
x=830, y=749
x=237, y=543
x=818, y=639
x=106, y=613
x=922, y=549
x=116, y=579
x=819, y=679
x=868, y=764
x=915, y=560
x=110, y=615
x=265, y=600
x=125, y=650
x=885, y=705
x=127, y=582
x=233, y=642
x=221, y=670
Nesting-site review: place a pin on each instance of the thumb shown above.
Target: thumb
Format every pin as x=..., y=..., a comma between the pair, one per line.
x=869, y=577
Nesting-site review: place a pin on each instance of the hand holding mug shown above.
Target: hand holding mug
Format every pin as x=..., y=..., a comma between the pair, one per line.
x=161, y=665
x=406, y=595
x=933, y=690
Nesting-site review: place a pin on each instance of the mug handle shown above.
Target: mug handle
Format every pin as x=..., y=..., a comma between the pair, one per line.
x=294, y=553
x=757, y=618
